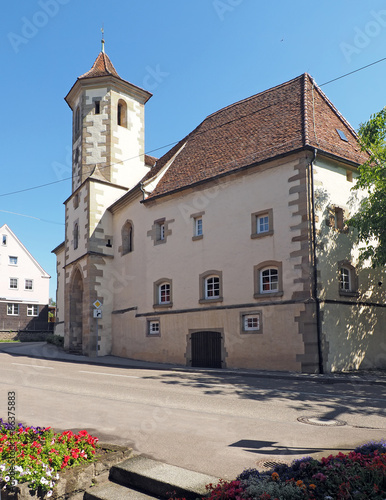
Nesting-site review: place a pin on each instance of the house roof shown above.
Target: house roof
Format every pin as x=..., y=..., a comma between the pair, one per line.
x=7, y=229
x=101, y=67
x=292, y=116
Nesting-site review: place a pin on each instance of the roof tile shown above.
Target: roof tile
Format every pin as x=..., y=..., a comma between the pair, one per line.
x=281, y=120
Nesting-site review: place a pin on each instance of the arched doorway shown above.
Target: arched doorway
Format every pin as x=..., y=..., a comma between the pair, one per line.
x=76, y=313
x=206, y=349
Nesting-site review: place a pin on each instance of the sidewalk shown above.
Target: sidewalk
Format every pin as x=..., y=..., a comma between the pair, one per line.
x=43, y=350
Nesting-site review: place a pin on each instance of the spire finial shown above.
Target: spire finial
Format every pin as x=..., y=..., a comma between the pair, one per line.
x=103, y=39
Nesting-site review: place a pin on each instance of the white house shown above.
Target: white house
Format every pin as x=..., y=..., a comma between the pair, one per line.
x=24, y=286
x=229, y=251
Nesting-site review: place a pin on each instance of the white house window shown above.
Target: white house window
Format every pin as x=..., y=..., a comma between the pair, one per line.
x=12, y=309
x=32, y=310
x=4, y=240
x=212, y=287
x=262, y=223
x=153, y=327
x=28, y=285
x=13, y=283
x=345, y=281
x=12, y=260
x=198, y=226
x=269, y=280
x=164, y=293
x=161, y=231
x=251, y=322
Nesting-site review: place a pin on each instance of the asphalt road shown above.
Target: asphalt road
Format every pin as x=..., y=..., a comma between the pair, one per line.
x=213, y=423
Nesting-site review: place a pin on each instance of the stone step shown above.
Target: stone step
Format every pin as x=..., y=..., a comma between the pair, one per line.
x=159, y=479
x=113, y=491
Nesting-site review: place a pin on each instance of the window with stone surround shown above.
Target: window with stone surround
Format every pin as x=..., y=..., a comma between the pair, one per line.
x=122, y=113
x=348, y=279
x=160, y=231
x=198, y=229
x=127, y=237
x=211, y=287
x=153, y=327
x=336, y=218
x=163, y=293
x=262, y=223
x=268, y=279
x=77, y=121
x=76, y=235
x=251, y=322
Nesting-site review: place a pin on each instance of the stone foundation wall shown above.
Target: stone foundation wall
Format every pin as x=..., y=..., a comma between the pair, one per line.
x=74, y=481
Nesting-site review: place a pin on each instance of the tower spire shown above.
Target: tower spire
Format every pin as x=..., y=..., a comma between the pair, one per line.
x=103, y=39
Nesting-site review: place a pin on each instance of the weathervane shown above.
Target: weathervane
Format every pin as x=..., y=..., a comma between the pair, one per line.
x=103, y=39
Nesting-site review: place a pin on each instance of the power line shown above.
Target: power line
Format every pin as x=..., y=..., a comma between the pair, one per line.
x=198, y=133
x=32, y=217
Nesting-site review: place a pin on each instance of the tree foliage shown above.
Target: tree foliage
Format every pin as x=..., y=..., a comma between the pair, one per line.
x=370, y=220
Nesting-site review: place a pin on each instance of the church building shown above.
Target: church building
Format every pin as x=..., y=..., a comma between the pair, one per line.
x=231, y=250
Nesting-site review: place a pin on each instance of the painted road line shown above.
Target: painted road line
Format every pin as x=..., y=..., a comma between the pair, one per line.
x=34, y=366
x=109, y=374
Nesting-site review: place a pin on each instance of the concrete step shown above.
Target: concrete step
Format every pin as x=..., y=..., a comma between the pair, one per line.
x=159, y=479
x=112, y=491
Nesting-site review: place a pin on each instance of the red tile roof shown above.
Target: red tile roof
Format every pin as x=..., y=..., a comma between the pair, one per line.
x=292, y=116
x=101, y=67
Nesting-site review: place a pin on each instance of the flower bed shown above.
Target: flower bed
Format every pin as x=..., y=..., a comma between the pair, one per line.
x=34, y=459
x=358, y=475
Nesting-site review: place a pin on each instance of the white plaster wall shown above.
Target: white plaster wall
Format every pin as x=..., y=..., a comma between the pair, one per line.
x=354, y=334
x=61, y=272
x=227, y=246
x=79, y=215
x=128, y=143
x=26, y=268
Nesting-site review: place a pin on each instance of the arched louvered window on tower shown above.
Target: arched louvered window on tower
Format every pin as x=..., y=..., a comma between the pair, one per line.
x=122, y=113
x=127, y=237
x=77, y=121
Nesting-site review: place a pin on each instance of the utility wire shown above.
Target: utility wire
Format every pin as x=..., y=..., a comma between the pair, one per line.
x=32, y=217
x=197, y=133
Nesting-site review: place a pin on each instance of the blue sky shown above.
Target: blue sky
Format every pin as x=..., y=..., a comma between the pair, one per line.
x=195, y=56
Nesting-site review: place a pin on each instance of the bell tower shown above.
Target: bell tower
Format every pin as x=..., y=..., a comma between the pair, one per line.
x=108, y=126
x=108, y=159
